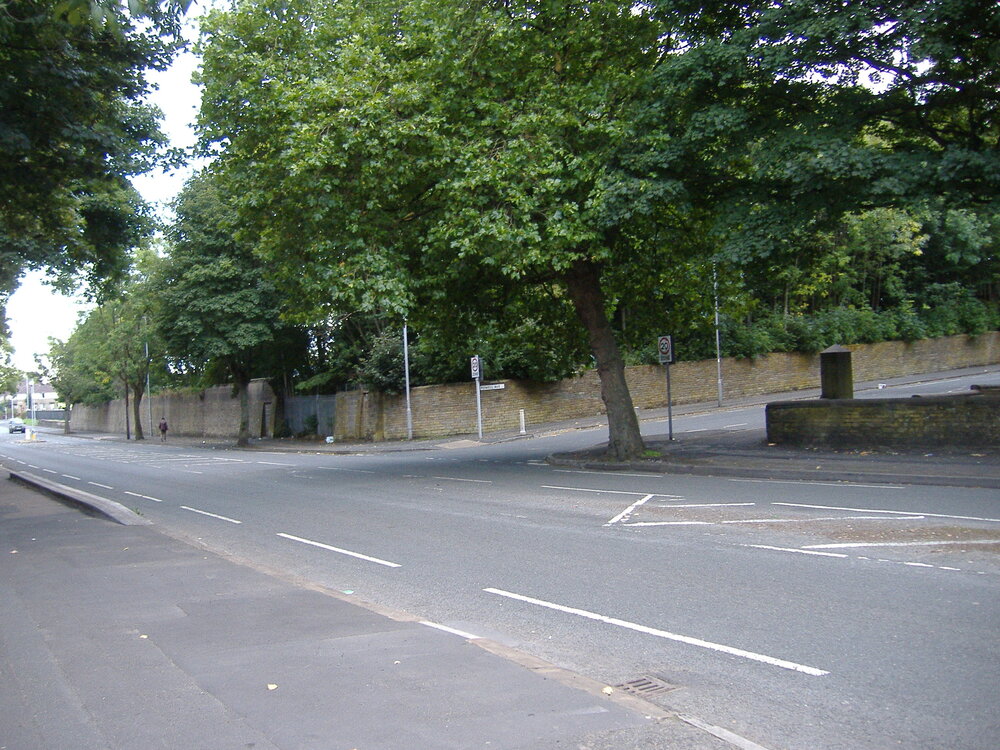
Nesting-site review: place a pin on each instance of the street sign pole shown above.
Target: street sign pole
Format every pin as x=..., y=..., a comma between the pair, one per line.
x=477, y=375
x=670, y=407
x=665, y=347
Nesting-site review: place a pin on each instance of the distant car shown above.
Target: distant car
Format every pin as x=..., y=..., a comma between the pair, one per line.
x=15, y=425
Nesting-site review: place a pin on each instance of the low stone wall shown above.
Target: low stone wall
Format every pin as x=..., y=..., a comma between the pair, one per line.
x=442, y=410
x=971, y=420
x=211, y=413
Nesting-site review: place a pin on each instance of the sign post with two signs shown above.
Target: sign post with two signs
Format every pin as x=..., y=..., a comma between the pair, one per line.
x=665, y=347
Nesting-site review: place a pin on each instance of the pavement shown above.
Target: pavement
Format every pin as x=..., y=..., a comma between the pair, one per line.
x=117, y=635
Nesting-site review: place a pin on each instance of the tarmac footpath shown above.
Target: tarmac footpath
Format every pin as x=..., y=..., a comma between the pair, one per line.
x=120, y=637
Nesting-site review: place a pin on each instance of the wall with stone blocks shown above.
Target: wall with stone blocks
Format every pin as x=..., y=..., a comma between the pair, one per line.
x=442, y=410
x=971, y=420
x=210, y=413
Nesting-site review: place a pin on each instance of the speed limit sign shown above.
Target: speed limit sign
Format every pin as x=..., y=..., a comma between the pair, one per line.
x=665, y=346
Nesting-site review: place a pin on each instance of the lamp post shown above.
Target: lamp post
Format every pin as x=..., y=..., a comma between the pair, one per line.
x=718, y=337
x=406, y=377
x=149, y=396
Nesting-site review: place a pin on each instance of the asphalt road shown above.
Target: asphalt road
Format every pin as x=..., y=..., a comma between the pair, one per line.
x=806, y=616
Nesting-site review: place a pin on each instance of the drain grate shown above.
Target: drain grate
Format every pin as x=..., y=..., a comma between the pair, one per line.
x=646, y=686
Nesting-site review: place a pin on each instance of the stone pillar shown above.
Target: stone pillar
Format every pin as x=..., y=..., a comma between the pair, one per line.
x=835, y=372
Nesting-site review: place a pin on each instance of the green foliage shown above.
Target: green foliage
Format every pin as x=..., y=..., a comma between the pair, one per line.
x=10, y=376
x=217, y=304
x=73, y=127
x=949, y=309
x=382, y=368
x=379, y=165
x=81, y=369
x=310, y=425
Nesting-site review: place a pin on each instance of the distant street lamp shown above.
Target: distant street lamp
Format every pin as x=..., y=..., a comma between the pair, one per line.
x=406, y=377
x=718, y=337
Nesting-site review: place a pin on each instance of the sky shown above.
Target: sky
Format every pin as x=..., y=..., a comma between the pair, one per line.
x=36, y=312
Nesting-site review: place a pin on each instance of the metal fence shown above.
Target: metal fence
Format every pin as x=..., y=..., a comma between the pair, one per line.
x=299, y=411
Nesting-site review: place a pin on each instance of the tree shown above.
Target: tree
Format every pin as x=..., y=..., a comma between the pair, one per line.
x=383, y=148
x=500, y=180
x=73, y=127
x=217, y=305
x=78, y=367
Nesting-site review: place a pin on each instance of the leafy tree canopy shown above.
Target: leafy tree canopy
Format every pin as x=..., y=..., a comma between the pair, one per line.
x=404, y=158
x=73, y=128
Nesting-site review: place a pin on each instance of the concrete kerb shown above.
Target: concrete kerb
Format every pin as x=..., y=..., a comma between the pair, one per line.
x=82, y=499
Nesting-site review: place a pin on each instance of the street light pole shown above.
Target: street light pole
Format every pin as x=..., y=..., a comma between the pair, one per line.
x=406, y=376
x=718, y=338
x=149, y=397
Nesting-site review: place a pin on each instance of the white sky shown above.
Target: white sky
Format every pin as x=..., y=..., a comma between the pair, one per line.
x=35, y=311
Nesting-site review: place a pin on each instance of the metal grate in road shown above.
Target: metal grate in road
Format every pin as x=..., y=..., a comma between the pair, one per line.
x=646, y=686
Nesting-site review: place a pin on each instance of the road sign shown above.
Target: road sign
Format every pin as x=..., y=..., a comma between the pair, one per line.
x=493, y=387
x=476, y=365
x=665, y=346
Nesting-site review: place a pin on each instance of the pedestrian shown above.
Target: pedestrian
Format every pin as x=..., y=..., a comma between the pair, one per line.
x=163, y=429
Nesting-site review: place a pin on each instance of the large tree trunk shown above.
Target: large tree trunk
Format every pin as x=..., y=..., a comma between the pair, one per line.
x=138, y=391
x=584, y=285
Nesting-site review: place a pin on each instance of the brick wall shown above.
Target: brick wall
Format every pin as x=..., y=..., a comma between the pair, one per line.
x=971, y=420
x=442, y=410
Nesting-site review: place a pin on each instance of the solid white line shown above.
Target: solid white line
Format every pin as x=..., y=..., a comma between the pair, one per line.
x=144, y=497
x=826, y=518
x=628, y=511
x=670, y=523
x=896, y=512
x=459, y=479
x=98, y=484
x=272, y=463
x=792, y=549
x=453, y=631
x=723, y=734
x=662, y=633
x=709, y=505
x=213, y=515
x=340, y=551
x=848, y=545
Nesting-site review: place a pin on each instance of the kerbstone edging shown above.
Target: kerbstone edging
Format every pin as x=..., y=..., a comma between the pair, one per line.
x=108, y=508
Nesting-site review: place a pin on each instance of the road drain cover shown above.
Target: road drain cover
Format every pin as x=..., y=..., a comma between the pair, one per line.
x=646, y=686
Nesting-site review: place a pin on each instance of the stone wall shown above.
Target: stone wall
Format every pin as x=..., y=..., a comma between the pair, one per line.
x=210, y=413
x=971, y=420
x=442, y=410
